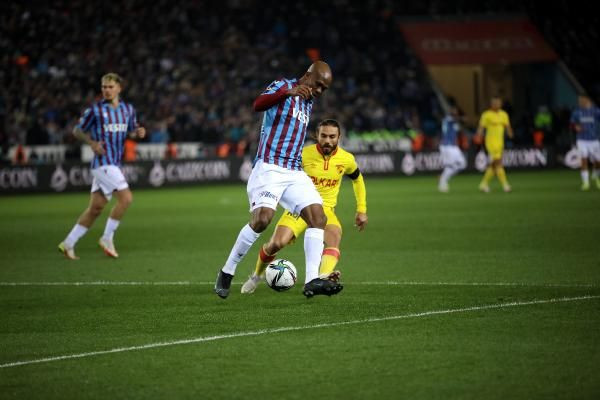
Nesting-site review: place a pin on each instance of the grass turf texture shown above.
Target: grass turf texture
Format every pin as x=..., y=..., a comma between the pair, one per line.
x=438, y=249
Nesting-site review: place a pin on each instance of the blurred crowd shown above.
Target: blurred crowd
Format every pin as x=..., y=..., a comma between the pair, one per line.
x=193, y=69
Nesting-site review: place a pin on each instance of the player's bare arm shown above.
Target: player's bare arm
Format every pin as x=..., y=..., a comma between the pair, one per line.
x=97, y=147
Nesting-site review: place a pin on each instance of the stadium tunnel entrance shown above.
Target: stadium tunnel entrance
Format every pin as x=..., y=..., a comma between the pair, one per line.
x=471, y=61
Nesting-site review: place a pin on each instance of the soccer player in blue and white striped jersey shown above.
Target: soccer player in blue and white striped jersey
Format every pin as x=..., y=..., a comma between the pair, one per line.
x=104, y=126
x=452, y=157
x=277, y=177
x=586, y=122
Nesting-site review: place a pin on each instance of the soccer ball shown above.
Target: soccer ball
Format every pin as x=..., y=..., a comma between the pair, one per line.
x=280, y=275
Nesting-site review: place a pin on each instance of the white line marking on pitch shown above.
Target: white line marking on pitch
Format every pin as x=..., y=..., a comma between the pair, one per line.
x=383, y=283
x=296, y=328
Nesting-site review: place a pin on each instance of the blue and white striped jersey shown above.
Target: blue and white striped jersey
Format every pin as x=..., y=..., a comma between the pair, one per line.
x=109, y=125
x=450, y=130
x=284, y=128
x=589, y=120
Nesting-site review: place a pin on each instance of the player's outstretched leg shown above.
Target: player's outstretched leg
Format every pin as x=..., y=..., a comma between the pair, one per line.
x=223, y=284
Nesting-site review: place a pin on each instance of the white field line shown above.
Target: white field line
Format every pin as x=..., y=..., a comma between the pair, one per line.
x=296, y=328
x=382, y=283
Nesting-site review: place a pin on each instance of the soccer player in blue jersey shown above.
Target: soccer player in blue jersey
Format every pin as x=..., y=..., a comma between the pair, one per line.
x=452, y=157
x=108, y=122
x=586, y=121
x=277, y=177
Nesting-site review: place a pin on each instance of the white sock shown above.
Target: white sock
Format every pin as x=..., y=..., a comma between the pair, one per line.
x=111, y=227
x=585, y=176
x=76, y=233
x=313, y=250
x=447, y=174
x=244, y=241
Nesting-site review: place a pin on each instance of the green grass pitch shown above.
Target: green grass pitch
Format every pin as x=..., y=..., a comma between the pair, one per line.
x=455, y=296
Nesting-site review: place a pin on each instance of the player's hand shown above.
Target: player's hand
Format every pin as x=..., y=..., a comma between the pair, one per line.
x=98, y=147
x=361, y=221
x=140, y=132
x=301, y=90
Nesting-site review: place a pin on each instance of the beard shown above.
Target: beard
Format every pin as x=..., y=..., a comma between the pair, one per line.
x=328, y=149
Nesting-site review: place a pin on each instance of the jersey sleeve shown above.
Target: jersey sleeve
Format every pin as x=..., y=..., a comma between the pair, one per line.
x=358, y=185
x=274, y=86
x=505, y=118
x=483, y=120
x=272, y=95
x=133, y=123
x=87, y=120
x=574, y=117
x=351, y=165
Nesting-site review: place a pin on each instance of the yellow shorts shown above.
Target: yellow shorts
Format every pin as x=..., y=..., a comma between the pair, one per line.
x=298, y=225
x=494, y=149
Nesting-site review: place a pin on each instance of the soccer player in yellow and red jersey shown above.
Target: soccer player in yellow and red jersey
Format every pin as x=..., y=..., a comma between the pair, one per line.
x=495, y=121
x=325, y=163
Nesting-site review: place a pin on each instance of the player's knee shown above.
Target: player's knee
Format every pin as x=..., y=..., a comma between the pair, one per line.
x=317, y=221
x=277, y=244
x=260, y=221
x=95, y=210
x=126, y=200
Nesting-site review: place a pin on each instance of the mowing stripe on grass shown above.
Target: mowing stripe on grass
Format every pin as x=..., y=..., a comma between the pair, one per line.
x=296, y=328
x=382, y=283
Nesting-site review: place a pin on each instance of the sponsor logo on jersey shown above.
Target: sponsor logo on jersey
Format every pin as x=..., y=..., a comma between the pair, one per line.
x=300, y=115
x=324, y=182
x=115, y=127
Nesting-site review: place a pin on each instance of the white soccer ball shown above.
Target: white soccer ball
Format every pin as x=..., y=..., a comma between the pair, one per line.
x=281, y=275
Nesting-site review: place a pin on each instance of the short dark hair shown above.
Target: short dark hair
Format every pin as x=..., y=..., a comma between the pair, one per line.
x=330, y=122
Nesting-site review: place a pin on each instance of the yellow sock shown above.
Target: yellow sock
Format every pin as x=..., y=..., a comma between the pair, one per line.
x=502, y=176
x=262, y=261
x=331, y=256
x=489, y=174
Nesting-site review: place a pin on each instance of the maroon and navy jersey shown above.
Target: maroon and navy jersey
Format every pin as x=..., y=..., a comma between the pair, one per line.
x=109, y=125
x=284, y=128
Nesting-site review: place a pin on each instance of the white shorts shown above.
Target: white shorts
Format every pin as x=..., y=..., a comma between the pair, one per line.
x=589, y=149
x=108, y=179
x=452, y=156
x=271, y=184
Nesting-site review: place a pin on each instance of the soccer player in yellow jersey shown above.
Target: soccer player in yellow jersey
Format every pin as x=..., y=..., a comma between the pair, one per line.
x=325, y=163
x=495, y=121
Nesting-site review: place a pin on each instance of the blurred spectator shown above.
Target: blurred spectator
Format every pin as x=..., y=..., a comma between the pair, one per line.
x=543, y=126
x=197, y=66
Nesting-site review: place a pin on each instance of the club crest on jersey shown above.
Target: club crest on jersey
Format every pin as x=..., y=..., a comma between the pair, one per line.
x=340, y=168
x=272, y=88
x=300, y=116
